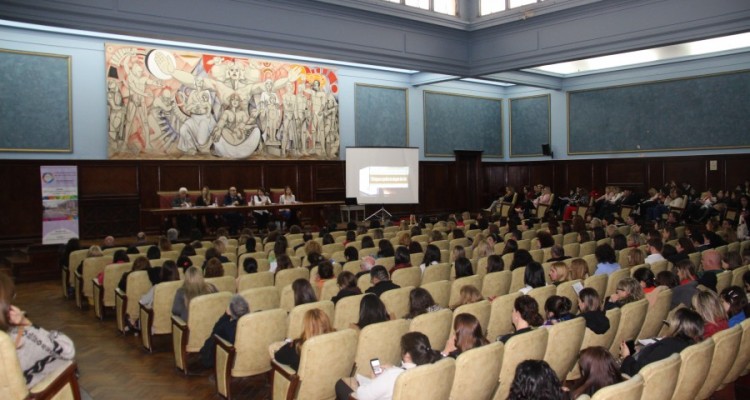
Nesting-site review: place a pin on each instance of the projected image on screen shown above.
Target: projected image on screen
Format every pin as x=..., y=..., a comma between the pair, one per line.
x=374, y=180
x=382, y=175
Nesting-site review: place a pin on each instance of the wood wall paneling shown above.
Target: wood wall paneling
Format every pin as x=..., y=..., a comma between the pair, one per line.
x=686, y=170
x=107, y=180
x=626, y=173
x=174, y=176
x=21, y=203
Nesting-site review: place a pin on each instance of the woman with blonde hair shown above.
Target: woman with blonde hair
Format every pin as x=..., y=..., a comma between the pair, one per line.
x=313, y=246
x=707, y=304
x=193, y=286
x=469, y=294
x=314, y=323
x=579, y=269
x=635, y=257
x=628, y=290
x=559, y=273
x=94, y=251
x=482, y=249
x=404, y=239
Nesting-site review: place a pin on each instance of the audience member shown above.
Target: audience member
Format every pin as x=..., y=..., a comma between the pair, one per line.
x=315, y=322
x=535, y=379
x=225, y=328
x=598, y=369
x=467, y=334
x=708, y=305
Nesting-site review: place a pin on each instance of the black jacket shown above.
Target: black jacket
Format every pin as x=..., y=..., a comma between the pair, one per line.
x=597, y=321
x=652, y=353
x=382, y=287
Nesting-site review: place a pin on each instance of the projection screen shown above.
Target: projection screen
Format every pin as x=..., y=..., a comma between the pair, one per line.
x=383, y=175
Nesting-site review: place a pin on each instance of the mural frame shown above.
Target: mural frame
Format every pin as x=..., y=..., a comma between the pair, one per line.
x=358, y=112
x=445, y=155
x=61, y=96
x=510, y=123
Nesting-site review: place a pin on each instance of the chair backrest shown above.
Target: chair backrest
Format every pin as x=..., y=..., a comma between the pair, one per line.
x=435, y=325
x=658, y=266
x=591, y=262
x=622, y=256
x=516, y=280
x=614, y=279
x=288, y=276
x=329, y=290
x=563, y=344
x=162, y=306
x=480, y=310
x=696, y=361
x=255, y=332
x=381, y=340
x=92, y=266
x=387, y=262
x=598, y=283
x=660, y=378
x=204, y=311
x=346, y=311
x=426, y=382
x=411, y=276
x=477, y=371
x=566, y=289
x=496, y=283
x=587, y=248
x=437, y=272
x=230, y=269
x=12, y=382
x=397, y=301
x=631, y=320
x=571, y=237
x=294, y=329
x=541, y=294
x=726, y=344
x=605, y=339
x=224, y=283
x=256, y=280
x=500, y=314
x=743, y=355
x=138, y=285
x=286, y=298
x=473, y=280
x=723, y=280
x=112, y=275
x=737, y=275
x=656, y=314
x=324, y=359
x=630, y=389
x=527, y=346
x=262, y=298
x=440, y=291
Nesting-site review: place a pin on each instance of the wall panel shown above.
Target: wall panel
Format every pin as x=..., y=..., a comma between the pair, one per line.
x=106, y=179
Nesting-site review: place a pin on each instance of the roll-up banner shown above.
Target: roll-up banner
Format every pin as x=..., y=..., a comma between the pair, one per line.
x=60, y=203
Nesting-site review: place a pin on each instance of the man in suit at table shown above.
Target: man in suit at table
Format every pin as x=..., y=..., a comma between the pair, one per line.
x=183, y=222
x=234, y=220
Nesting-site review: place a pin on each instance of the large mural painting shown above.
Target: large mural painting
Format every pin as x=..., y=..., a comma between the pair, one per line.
x=174, y=104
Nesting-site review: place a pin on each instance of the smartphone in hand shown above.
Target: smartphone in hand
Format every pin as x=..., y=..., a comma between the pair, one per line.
x=376, y=368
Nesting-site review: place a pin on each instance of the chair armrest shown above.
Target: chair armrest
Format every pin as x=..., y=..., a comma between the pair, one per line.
x=226, y=346
x=285, y=370
x=51, y=385
x=179, y=323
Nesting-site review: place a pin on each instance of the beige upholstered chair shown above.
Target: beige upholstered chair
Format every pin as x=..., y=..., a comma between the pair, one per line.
x=614, y=279
x=496, y=284
x=587, y=248
x=516, y=280
x=500, y=312
x=659, y=266
x=426, y=382
x=571, y=237
x=329, y=290
x=61, y=384
x=660, y=378
x=224, y=283
x=346, y=311
x=256, y=280
x=597, y=282
x=591, y=339
x=381, y=340
x=411, y=276
x=440, y=291
x=437, y=272
x=230, y=269
x=723, y=281
x=249, y=355
x=565, y=289
x=563, y=344
x=737, y=275
x=262, y=298
x=287, y=276
x=656, y=314
x=126, y=303
x=477, y=371
x=74, y=260
x=188, y=336
x=286, y=298
x=324, y=359
x=696, y=361
x=480, y=310
x=630, y=389
x=473, y=280
x=92, y=266
x=695, y=258
x=726, y=345
x=527, y=346
x=197, y=259
x=156, y=318
x=353, y=266
x=622, y=256
x=590, y=262
x=387, y=262
x=541, y=294
x=397, y=301
x=743, y=355
x=104, y=294
x=631, y=320
x=294, y=329
x=364, y=282
x=537, y=255
x=435, y=325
